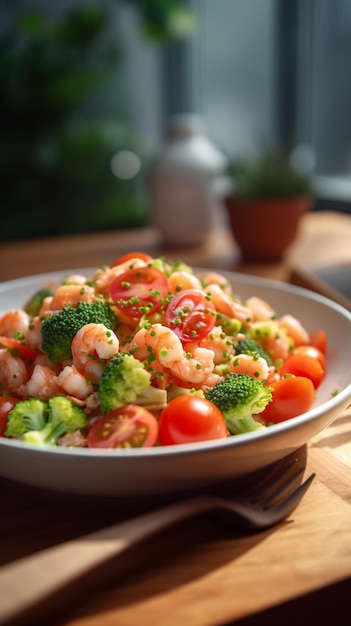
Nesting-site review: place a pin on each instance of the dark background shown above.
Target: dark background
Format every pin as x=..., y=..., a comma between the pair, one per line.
x=81, y=81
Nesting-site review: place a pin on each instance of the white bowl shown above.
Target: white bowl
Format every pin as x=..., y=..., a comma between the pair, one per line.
x=179, y=468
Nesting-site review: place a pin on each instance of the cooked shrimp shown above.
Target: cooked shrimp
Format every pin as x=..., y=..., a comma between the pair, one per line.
x=45, y=308
x=163, y=352
x=227, y=305
x=33, y=336
x=294, y=329
x=104, y=276
x=256, y=367
x=18, y=324
x=180, y=280
x=92, y=346
x=73, y=383
x=71, y=295
x=158, y=346
x=75, y=279
x=13, y=372
x=273, y=339
x=43, y=359
x=273, y=375
x=13, y=322
x=196, y=367
x=41, y=383
x=260, y=309
x=221, y=344
x=214, y=278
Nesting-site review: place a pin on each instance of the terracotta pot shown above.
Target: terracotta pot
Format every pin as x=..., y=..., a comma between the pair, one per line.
x=264, y=229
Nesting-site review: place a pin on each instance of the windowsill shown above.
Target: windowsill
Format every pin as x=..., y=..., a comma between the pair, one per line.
x=333, y=187
x=333, y=193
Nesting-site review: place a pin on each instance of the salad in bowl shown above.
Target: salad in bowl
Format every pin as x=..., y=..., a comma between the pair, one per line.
x=151, y=353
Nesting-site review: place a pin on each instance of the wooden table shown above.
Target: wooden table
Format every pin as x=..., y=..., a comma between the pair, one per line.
x=200, y=574
x=324, y=237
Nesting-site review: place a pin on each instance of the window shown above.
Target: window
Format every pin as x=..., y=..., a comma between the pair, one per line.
x=230, y=71
x=276, y=71
x=324, y=95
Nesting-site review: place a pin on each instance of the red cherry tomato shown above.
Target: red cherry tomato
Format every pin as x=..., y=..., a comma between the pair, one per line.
x=188, y=419
x=190, y=315
x=314, y=352
x=139, y=291
x=6, y=405
x=319, y=339
x=143, y=256
x=303, y=365
x=292, y=396
x=131, y=426
x=23, y=351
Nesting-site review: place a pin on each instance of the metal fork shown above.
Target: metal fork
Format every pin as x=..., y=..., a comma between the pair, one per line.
x=26, y=584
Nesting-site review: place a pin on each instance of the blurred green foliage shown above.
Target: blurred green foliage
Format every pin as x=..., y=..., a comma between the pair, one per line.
x=268, y=174
x=58, y=131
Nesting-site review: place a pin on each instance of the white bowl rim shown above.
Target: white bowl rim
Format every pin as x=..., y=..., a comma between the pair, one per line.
x=332, y=404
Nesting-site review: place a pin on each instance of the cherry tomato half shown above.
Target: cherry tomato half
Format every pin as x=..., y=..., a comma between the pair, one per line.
x=6, y=405
x=314, y=352
x=139, y=291
x=23, y=351
x=130, y=426
x=143, y=256
x=303, y=365
x=190, y=315
x=188, y=419
x=292, y=396
x=319, y=339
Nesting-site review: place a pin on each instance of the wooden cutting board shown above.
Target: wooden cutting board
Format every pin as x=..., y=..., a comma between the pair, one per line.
x=203, y=574
x=211, y=577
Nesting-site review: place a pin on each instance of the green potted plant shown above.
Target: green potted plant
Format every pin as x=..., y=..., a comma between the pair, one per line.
x=268, y=196
x=64, y=114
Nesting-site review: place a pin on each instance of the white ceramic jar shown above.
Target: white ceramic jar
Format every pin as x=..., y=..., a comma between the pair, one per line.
x=184, y=183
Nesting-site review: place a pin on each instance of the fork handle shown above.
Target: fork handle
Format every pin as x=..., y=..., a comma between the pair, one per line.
x=25, y=584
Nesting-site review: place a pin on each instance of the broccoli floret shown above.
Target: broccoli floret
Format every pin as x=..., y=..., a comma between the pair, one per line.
x=122, y=381
x=26, y=415
x=250, y=346
x=33, y=306
x=58, y=330
x=62, y=417
x=240, y=397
